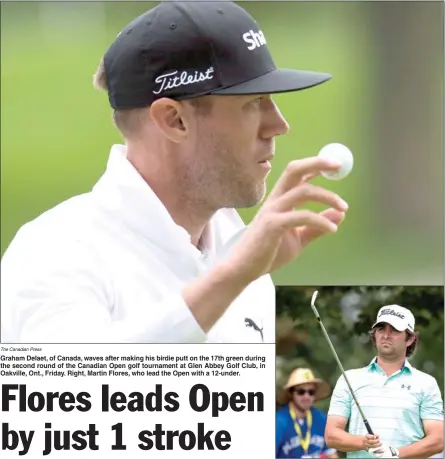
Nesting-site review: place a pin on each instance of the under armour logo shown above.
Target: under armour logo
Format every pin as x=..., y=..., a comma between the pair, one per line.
x=250, y=323
x=406, y=387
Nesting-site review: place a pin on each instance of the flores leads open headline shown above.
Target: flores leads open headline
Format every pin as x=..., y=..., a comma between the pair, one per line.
x=200, y=399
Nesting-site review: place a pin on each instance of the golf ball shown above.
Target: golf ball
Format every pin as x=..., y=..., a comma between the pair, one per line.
x=339, y=153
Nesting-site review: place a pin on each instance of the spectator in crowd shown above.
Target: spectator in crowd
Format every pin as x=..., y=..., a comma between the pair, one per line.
x=299, y=426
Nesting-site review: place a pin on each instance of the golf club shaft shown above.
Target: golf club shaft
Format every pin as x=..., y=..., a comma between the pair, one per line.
x=317, y=315
x=365, y=421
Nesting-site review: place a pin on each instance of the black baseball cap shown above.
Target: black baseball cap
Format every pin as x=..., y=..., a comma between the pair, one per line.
x=182, y=49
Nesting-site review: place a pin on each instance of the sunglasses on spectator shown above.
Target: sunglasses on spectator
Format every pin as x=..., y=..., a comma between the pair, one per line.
x=310, y=392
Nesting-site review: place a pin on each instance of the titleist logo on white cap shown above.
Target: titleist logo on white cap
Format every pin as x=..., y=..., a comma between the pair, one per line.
x=176, y=79
x=391, y=312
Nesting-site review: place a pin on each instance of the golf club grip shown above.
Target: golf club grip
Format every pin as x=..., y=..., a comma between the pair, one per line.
x=368, y=427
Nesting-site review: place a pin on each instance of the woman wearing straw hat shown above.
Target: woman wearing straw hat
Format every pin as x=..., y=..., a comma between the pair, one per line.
x=299, y=426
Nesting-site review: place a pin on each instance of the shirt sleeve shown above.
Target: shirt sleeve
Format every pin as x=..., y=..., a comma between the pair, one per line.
x=341, y=400
x=63, y=296
x=280, y=427
x=432, y=405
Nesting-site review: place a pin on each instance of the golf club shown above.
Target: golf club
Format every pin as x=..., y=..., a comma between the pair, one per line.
x=317, y=315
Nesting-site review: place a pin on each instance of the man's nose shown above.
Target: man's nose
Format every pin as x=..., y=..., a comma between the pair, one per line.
x=274, y=122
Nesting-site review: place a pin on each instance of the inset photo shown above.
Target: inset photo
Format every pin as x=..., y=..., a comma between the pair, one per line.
x=360, y=372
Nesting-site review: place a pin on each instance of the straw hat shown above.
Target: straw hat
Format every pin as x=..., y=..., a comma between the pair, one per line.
x=305, y=376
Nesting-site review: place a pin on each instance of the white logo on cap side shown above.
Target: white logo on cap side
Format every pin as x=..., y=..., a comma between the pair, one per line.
x=177, y=78
x=254, y=39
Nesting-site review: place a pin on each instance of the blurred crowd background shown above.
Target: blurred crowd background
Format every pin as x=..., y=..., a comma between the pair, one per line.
x=348, y=313
x=385, y=102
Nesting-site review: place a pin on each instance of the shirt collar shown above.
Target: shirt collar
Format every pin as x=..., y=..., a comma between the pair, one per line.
x=123, y=192
x=374, y=366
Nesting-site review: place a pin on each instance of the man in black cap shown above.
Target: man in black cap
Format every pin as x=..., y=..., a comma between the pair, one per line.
x=156, y=252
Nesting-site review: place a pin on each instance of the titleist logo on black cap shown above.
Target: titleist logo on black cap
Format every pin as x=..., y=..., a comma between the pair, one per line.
x=391, y=312
x=176, y=79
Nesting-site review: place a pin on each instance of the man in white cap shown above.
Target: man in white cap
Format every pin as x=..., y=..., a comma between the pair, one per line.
x=403, y=405
x=299, y=426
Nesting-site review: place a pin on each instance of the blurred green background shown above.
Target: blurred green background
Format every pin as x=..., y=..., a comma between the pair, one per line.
x=348, y=313
x=385, y=102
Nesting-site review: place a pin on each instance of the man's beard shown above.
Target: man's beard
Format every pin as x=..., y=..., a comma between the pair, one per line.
x=217, y=184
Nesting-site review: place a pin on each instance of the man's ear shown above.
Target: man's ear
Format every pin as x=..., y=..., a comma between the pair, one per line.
x=168, y=115
x=410, y=339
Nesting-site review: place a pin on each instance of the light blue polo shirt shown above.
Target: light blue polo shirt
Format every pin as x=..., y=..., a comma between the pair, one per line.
x=395, y=406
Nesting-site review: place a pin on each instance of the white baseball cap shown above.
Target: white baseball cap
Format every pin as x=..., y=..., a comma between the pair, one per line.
x=399, y=317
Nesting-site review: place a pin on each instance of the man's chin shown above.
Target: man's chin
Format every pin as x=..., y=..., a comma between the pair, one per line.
x=256, y=197
x=387, y=350
x=252, y=199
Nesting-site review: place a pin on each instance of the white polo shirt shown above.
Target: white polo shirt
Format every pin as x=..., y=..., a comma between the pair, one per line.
x=110, y=265
x=395, y=405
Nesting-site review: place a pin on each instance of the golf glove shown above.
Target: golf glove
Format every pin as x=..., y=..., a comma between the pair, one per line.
x=385, y=452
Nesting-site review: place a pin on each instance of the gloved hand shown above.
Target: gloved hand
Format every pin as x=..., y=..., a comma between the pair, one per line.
x=385, y=452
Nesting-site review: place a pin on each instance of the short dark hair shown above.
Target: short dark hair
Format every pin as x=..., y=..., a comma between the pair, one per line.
x=410, y=349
